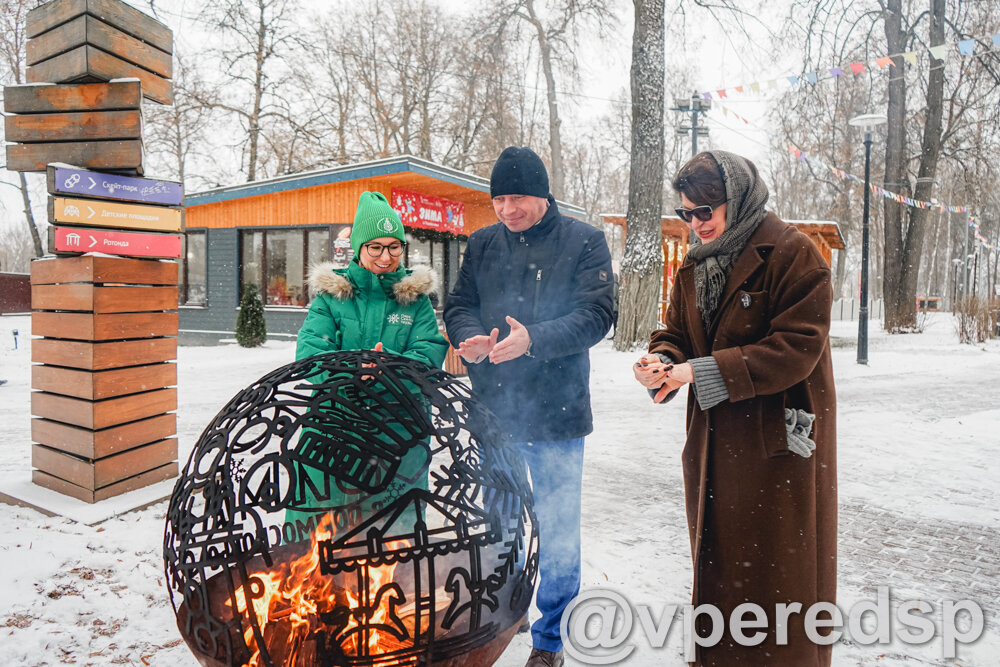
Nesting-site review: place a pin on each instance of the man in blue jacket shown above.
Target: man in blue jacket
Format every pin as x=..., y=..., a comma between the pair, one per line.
x=546, y=279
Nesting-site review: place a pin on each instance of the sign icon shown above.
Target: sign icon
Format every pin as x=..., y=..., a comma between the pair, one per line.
x=92, y=183
x=72, y=180
x=73, y=239
x=72, y=211
x=93, y=241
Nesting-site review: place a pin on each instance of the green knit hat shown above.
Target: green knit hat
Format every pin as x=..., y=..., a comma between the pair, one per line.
x=374, y=219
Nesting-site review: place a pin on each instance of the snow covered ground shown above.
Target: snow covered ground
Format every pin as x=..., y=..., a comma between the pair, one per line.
x=919, y=445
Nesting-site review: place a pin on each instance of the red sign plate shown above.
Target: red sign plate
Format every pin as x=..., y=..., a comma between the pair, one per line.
x=77, y=239
x=429, y=212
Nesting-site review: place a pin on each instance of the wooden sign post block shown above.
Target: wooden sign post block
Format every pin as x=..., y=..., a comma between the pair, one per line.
x=80, y=40
x=103, y=398
x=46, y=98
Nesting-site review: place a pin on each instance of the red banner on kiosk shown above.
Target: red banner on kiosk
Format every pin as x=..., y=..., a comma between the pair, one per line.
x=429, y=212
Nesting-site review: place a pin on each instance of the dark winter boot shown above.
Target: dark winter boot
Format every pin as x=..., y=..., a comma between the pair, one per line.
x=540, y=658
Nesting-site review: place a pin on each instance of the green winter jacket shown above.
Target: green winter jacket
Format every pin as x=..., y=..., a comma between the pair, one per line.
x=354, y=309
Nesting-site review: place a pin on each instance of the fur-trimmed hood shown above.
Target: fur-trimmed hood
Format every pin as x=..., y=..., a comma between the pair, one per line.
x=325, y=277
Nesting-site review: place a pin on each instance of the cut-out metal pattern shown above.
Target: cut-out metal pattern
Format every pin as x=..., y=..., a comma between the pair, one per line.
x=352, y=508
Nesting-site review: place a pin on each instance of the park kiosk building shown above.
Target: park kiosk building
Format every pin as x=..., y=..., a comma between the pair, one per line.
x=270, y=232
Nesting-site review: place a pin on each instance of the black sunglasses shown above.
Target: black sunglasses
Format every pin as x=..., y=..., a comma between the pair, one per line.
x=703, y=212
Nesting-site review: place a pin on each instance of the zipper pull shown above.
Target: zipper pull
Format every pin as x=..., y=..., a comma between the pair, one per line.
x=539, y=277
x=522, y=237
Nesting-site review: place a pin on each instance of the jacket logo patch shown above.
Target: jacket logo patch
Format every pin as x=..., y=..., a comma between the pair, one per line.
x=746, y=300
x=400, y=318
x=603, y=276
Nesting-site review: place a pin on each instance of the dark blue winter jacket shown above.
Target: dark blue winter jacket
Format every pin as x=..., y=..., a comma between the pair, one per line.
x=555, y=278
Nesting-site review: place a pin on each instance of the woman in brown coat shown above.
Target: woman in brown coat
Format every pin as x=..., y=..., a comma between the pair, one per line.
x=748, y=327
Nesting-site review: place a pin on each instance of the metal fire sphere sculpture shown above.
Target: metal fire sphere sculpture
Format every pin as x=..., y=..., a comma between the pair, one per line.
x=352, y=508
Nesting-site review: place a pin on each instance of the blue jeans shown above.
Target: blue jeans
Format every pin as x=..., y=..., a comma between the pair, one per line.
x=556, y=468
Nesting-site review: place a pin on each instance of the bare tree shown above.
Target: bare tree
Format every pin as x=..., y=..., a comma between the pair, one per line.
x=642, y=267
x=256, y=36
x=178, y=133
x=12, y=44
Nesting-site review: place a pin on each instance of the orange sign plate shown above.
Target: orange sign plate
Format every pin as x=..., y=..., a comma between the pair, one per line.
x=99, y=213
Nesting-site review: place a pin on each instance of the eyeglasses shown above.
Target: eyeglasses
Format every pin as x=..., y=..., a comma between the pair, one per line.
x=375, y=249
x=703, y=212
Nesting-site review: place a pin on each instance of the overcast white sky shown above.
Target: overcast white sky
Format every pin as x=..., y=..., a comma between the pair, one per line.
x=721, y=57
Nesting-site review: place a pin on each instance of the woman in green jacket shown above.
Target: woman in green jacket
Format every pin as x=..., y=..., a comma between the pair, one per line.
x=373, y=304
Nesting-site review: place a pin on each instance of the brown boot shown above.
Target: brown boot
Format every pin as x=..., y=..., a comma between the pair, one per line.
x=540, y=658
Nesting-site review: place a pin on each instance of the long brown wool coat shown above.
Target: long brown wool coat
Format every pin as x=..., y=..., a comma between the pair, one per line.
x=762, y=520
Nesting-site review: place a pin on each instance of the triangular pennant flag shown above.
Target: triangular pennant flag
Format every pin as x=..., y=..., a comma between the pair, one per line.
x=706, y=96
x=739, y=89
x=996, y=40
x=792, y=79
x=722, y=94
x=965, y=46
x=940, y=51
x=836, y=71
x=885, y=61
x=725, y=112
x=755, y=87
x=811, y=77
x=910, y=57
x=857, y=68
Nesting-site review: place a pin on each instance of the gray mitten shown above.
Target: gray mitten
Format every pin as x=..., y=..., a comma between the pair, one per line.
x=798, y=424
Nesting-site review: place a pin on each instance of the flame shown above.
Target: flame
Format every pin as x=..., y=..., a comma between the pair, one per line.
x=296, y=593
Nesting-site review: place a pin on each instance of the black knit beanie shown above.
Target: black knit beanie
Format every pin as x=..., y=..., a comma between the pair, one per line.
x=519, y=171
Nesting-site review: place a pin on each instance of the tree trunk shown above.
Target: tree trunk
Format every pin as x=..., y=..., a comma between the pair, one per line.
x=895, y=163
x=642, y=267
x=557, y=178
x=900, y=301
x=29, y=216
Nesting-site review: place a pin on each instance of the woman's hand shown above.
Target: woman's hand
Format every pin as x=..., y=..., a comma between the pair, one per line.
x=650, y=372
x=682, y=373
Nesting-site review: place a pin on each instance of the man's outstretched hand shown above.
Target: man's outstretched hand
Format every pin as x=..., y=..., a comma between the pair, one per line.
x=475, y=349
x=513, y=346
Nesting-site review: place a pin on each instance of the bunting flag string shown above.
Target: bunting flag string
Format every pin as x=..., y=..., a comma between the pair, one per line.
x=939, y=52
x=804, y=156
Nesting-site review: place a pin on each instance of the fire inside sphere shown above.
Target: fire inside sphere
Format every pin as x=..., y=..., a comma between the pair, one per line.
x=352, y=508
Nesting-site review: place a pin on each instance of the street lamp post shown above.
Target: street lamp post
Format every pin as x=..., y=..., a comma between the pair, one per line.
x=867, y=122
x=695, y=105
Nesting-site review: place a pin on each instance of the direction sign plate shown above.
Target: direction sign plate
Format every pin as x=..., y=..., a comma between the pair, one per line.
x=68, y=180
x=79, y=239
x=112, y=214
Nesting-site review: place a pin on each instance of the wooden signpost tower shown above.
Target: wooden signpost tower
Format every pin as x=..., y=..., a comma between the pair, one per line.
x=104, y=306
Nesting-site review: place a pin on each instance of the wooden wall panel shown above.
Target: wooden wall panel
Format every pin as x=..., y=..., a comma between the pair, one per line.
x=103, y=270
x=122, y=155
x=102, y=384
x=86, y=63
x=103, y=326
x=86, y=29
x=95, y=474
x=113, y=12
x=115, y=95
x=101, y=356
x=105, y=442
x=74, y=126
x=102, y=414
x=87, y=297
x=48, y=481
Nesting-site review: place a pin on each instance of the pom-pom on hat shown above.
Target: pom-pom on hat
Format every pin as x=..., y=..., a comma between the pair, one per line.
x=519, y=171
x=374, y=219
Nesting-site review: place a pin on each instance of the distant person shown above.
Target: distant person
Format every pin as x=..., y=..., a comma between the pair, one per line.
x=748, y=327
x=545, y=280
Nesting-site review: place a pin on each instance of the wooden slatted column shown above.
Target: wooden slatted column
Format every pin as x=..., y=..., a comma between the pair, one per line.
x=105, y=389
